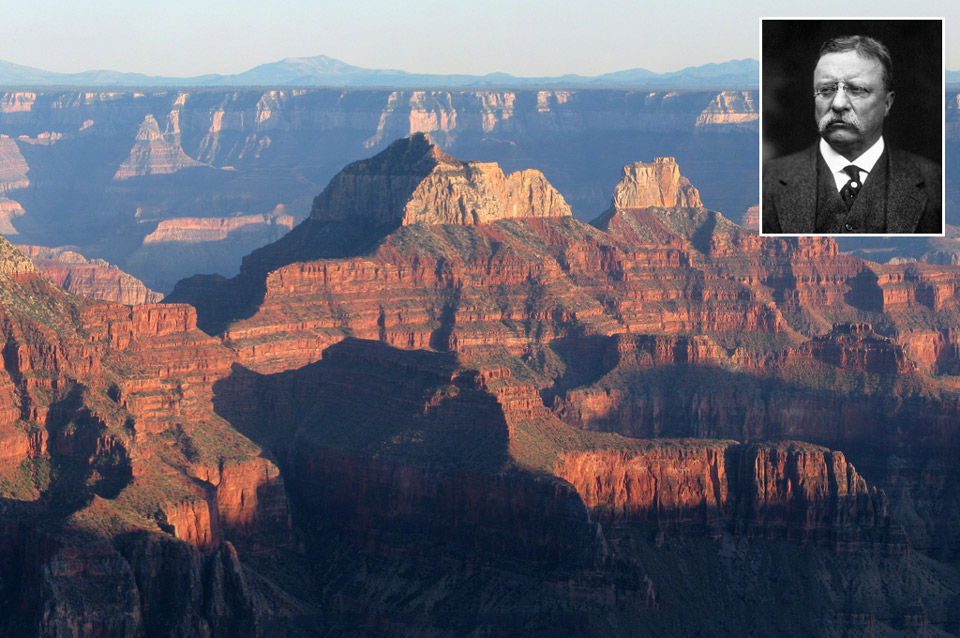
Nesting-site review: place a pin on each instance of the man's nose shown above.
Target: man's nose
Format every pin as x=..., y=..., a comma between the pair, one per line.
x=840, y=101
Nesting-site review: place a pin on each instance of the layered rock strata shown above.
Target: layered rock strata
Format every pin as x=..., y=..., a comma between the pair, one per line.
x=799, y=490
x=653, y=269
x=658, y=183
x=655, y=321
x=108, y=434
x=413, y=181
x=193, y=230
x=467, y=438
x=13, y=167
x=155, y=152
x=94, y=278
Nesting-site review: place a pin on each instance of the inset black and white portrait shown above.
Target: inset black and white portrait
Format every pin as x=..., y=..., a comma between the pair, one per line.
x=852, y=127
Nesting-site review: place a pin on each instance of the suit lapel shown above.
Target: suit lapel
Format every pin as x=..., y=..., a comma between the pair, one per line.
x=906, y=200
x=796, y=199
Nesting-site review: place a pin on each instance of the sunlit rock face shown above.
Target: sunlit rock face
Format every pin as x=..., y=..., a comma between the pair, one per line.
x=800, y=491
x=94, y=278
x=414, y=182
x=658, y=183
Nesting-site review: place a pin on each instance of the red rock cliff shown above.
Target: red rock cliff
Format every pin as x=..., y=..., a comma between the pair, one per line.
x=797, y=490
x=93, y=278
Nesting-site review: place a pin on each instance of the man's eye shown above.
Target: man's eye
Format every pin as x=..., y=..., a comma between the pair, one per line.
x=852, y=91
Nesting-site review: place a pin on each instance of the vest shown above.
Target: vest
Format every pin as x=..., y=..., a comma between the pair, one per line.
x=869, y=211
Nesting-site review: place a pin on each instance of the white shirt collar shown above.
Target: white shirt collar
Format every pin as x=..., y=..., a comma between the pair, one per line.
x=837, y=162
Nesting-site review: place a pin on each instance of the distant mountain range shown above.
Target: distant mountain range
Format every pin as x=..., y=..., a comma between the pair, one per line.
x=322, y=70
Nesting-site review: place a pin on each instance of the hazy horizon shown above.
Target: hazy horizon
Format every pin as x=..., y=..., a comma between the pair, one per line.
x=381, y=68
x=535, y=38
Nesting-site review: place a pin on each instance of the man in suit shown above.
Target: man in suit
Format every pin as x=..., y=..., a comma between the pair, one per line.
x=850, y=181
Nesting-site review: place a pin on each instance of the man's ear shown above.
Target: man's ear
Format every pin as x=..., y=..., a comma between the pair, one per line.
x=889, y=100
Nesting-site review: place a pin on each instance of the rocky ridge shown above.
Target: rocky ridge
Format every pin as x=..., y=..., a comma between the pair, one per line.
x=414, y=182
x=94, y=278
x=192, y=230
x=639, y=266
x=690, y=284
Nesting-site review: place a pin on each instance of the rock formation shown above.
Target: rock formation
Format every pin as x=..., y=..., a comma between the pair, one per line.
x=656, y=184
x=93, y=278
x=9, y=209
x=857, y=347
x=414, y=182
x=192, y=230
x=766, y=489
x=655, y=270
x=13, y=167
x=155, y=152
x=108, y=435
x=730, y=108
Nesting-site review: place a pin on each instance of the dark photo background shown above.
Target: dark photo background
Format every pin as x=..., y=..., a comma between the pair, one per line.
x=789, y=55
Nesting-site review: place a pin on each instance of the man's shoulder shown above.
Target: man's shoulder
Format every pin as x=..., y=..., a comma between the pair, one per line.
x=900, y=159
x=789, y=165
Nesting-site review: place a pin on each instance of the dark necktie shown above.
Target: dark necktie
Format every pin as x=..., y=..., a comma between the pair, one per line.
x=852, y=187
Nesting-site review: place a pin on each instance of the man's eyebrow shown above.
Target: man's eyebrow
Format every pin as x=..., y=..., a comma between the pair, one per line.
x=855, y=79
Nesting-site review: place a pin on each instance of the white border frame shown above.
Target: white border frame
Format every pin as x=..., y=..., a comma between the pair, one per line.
x=943, y=128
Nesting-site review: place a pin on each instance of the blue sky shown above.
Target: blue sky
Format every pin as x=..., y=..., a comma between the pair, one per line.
x=522, y=37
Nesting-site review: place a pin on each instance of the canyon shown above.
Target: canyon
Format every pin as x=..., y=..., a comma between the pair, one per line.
x=442, y=404
x=153, y=172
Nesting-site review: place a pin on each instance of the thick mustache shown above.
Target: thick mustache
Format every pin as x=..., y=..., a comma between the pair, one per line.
x=848, y=117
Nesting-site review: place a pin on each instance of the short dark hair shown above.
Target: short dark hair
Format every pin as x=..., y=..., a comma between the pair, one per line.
x=865, y=47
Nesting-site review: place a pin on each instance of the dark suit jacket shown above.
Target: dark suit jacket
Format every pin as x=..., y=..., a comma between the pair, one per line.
x=789, y=199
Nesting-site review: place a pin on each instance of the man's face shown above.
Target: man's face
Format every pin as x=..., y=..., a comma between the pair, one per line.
x=851, y=124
